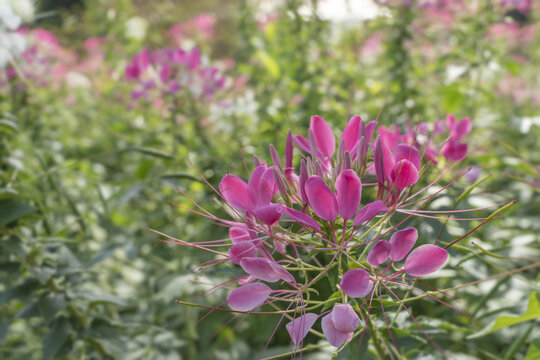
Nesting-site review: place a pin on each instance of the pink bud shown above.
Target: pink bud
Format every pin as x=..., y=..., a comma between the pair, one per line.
x=249, y=296
x=349, y=192
x=269, y=214
x=379, y=253
x=402, y=242
x=324, y=137
x=356, y=283
x=321, y=199
x=404, y=174
x=425, y=260
x=299, y=327
x=289, y=150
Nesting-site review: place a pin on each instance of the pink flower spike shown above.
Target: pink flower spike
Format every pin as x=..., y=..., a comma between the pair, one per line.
x=379, y=253
x=321, y=199
x=235, y=191
x=334, y=336
x=324, y=137
x=356, y=283
x=369, y=211
x=402, y=242
x=301, y=218
x=349, y=193
x=241, y=250
x=425, y=260
x=269, y=214
x=408, y=152
x=350, y=133
x=249, y=296
x=345, y=318
x=404, y=174
x=299, y=327
x=454, y=150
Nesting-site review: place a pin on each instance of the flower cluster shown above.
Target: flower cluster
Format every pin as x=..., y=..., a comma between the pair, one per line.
x=330, y=218
x=164, y=72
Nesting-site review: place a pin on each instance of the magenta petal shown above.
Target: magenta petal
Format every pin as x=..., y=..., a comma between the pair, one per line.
x=324, y=137
x=404, y=174
x=253, y=187
x=425, y=260
x=369, y=211
x=299, y=327
x=454, y=150
x=349, y=192
x=370, y=129
x=321, y=198
x=265, y=269
x=402, y=242
x=249, y=296
x=408, y=152
x=269, y=214
x=460, y=129
x=379, y=253
x=239, y=234
x=356, y=283
x=235, y=191
x=345, y=318
x=261, y=268
x=351, y=132
x=241, y=250
x=301, y=217
x=334, y=336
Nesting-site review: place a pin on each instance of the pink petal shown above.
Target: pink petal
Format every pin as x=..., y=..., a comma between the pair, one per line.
x=239, y=234
x=345, y=318
x=269, y=214
x=402, y=242
x=389, y=137
x=356, y=283
x=241, y=250
x=425, y=260
x=265, y=269
x=370, y=129
x=369, y=211
x=324, y=137
x=235, y=191
x=351, y=132
x=334, y=336
x=454, y=150
x=321, y=199
x=289, y=148
x=379, y=253
x=249, y=296
x=349, y=192
x=299, y=327
x=408, y=152
x=253, y=187
x=404, y=174
x=461, y=129
x=301, y=217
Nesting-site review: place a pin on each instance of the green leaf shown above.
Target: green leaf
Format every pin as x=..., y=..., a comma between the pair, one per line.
x=95, y=298
x=533, y=312
x=56, y=338
x=534, y=349
x=11, y=210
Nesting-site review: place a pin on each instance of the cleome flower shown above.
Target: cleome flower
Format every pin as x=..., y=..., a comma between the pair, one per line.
x=333, y=220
